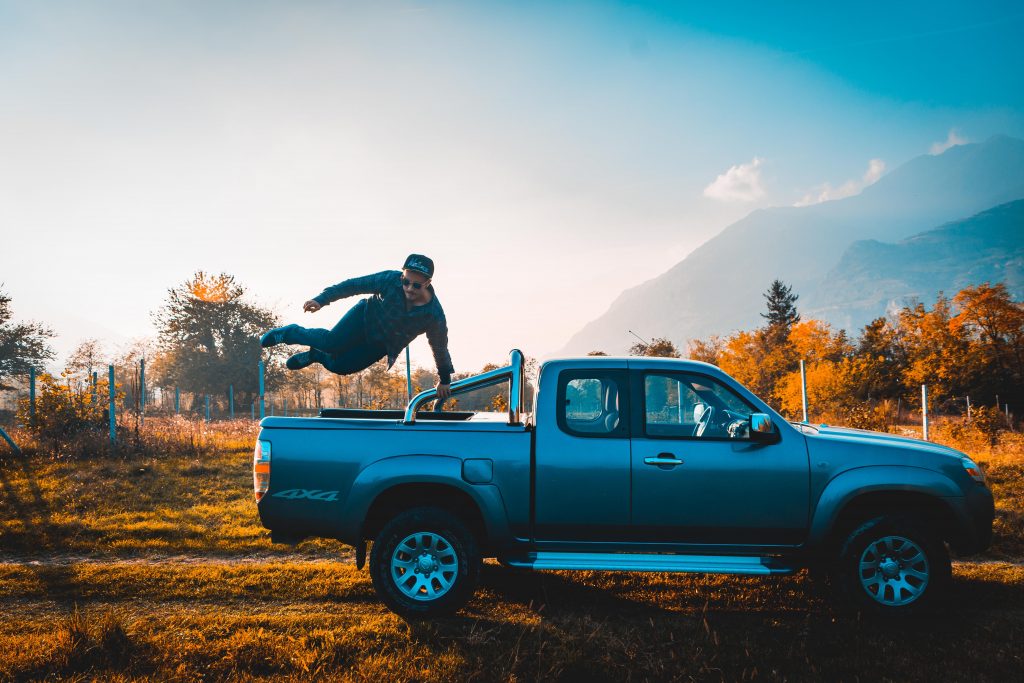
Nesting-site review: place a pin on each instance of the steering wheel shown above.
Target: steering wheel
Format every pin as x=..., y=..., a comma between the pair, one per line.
x=705, y=420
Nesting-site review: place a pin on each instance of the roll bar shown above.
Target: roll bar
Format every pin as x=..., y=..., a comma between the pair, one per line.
x=513, y=373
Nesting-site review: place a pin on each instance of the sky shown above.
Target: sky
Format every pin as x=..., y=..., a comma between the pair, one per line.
x=546, y=155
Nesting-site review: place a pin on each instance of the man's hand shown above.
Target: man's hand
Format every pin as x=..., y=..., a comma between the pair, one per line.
x=311, y=306
x=444, y=391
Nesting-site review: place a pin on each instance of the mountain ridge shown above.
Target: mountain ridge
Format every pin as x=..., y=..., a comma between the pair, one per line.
x=717, y=288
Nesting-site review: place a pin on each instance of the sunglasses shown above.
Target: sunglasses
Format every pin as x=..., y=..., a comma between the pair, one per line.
x=415, y=285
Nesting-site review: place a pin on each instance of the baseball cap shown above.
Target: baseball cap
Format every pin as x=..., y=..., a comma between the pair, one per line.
x=419, y=263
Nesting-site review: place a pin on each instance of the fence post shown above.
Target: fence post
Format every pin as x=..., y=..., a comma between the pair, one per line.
x=803, y=388
x=113, y=408
x=924, y=410
x=231, y=401
x=207, y=407
x=968, y=408
x=31, y=395
x=9, y=440
x=177, y=401
x=142, y=389
x=284, y=407
x=408, y=375
x=263, y=405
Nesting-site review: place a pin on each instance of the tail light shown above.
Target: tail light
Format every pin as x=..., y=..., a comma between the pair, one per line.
x=261, y=469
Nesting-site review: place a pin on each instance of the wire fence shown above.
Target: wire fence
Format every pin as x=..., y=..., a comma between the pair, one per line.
x=138, y=397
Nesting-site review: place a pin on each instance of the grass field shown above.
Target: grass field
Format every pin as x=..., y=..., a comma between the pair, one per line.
x=157, y=568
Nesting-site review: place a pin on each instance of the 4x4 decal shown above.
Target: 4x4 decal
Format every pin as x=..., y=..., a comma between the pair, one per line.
x=313, y=494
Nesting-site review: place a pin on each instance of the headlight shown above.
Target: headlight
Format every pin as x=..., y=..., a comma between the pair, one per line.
x=973, y=469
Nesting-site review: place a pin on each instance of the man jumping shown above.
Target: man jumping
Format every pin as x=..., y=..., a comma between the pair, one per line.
x=402, y=306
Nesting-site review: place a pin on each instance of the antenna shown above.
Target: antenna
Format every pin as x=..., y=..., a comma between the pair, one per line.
x=645, y=342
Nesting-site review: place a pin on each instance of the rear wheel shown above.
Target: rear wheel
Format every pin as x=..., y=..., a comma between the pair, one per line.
x=424, y=563
x=893, y=565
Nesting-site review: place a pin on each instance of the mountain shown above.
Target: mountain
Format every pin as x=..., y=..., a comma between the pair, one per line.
x=874, y=276
x=717, y=288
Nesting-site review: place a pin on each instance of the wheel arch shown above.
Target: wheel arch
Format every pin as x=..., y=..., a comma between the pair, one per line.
x=858, y=495
x=406, y=496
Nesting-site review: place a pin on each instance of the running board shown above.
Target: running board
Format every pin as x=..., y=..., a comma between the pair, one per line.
x=635, y=562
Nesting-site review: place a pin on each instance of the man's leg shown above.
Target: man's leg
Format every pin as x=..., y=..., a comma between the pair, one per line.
x=344, y=363
x=349, y=332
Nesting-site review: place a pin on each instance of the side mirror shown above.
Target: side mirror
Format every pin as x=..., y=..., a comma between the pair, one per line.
x=762, y=429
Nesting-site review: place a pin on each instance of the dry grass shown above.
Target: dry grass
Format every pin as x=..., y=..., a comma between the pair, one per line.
x=156, y=568
x=302, y=620
x=196, y=497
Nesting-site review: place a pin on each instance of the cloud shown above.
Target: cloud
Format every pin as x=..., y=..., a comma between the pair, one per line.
x=740, y=183
x=826, y=193
x=952, y=140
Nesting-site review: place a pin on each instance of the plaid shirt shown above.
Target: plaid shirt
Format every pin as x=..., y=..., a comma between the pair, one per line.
x=388, y=320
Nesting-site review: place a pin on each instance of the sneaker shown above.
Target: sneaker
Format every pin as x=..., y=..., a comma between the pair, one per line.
x=275, y=336
x=299, y=361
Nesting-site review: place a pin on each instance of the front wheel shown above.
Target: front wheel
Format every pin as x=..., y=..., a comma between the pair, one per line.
x=425, y=563
x=893, y=565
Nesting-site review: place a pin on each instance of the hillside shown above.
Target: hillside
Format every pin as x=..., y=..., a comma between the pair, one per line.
x=874, y=276
x=717, y=288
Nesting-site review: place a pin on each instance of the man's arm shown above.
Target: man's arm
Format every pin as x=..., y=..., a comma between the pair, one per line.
x=437, y=337
x=368, y=284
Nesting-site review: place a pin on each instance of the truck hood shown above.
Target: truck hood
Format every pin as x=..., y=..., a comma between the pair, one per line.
x=862, y=436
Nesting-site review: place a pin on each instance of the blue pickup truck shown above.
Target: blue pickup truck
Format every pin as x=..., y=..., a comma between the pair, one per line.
x=625, y=464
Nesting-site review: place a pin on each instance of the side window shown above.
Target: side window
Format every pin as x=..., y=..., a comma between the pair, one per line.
x=683, y=405
x=592, y=403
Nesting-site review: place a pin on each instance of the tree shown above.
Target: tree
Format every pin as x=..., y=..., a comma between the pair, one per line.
x=659, y=348
x=994, y=324
x=86, y=358
x=208, y=338
x=881, y=360
x=22, y=345
x=938, y=352
x=782, y=313
x=706, y=350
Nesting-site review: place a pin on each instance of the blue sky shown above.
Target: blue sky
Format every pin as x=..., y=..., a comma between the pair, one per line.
x=546, y=155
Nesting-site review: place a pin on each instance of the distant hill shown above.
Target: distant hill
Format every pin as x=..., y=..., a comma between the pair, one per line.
x=874, y=276
x=717, y=288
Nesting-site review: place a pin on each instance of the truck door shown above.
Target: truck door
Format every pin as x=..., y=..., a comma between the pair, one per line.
x=697, y=476
x=582, y=457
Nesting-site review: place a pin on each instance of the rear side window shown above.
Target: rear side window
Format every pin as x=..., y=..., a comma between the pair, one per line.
x=593, y=403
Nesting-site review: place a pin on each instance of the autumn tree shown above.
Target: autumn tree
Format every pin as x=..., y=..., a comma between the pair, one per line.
x=994, y=325
x=208, y=337
x=706, y=350
x=882, y=360
x=86, y=358
x=22, y=345
x=659, y=347
x=938, y=352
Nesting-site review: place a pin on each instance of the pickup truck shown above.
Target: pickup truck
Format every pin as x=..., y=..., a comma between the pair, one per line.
x=624, y=464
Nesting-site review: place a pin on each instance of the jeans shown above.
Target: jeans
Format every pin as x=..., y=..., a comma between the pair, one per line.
x=343, y=349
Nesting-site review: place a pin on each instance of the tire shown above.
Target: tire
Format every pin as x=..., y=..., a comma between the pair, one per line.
x=425, y=563
x=893, y=566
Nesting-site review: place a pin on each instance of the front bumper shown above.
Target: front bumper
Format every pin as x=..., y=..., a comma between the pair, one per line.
x=974, y=514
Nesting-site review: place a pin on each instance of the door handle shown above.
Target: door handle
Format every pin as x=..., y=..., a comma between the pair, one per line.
x=663, y=459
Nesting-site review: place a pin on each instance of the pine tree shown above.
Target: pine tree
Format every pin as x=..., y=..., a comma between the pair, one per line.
x=782, y=313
